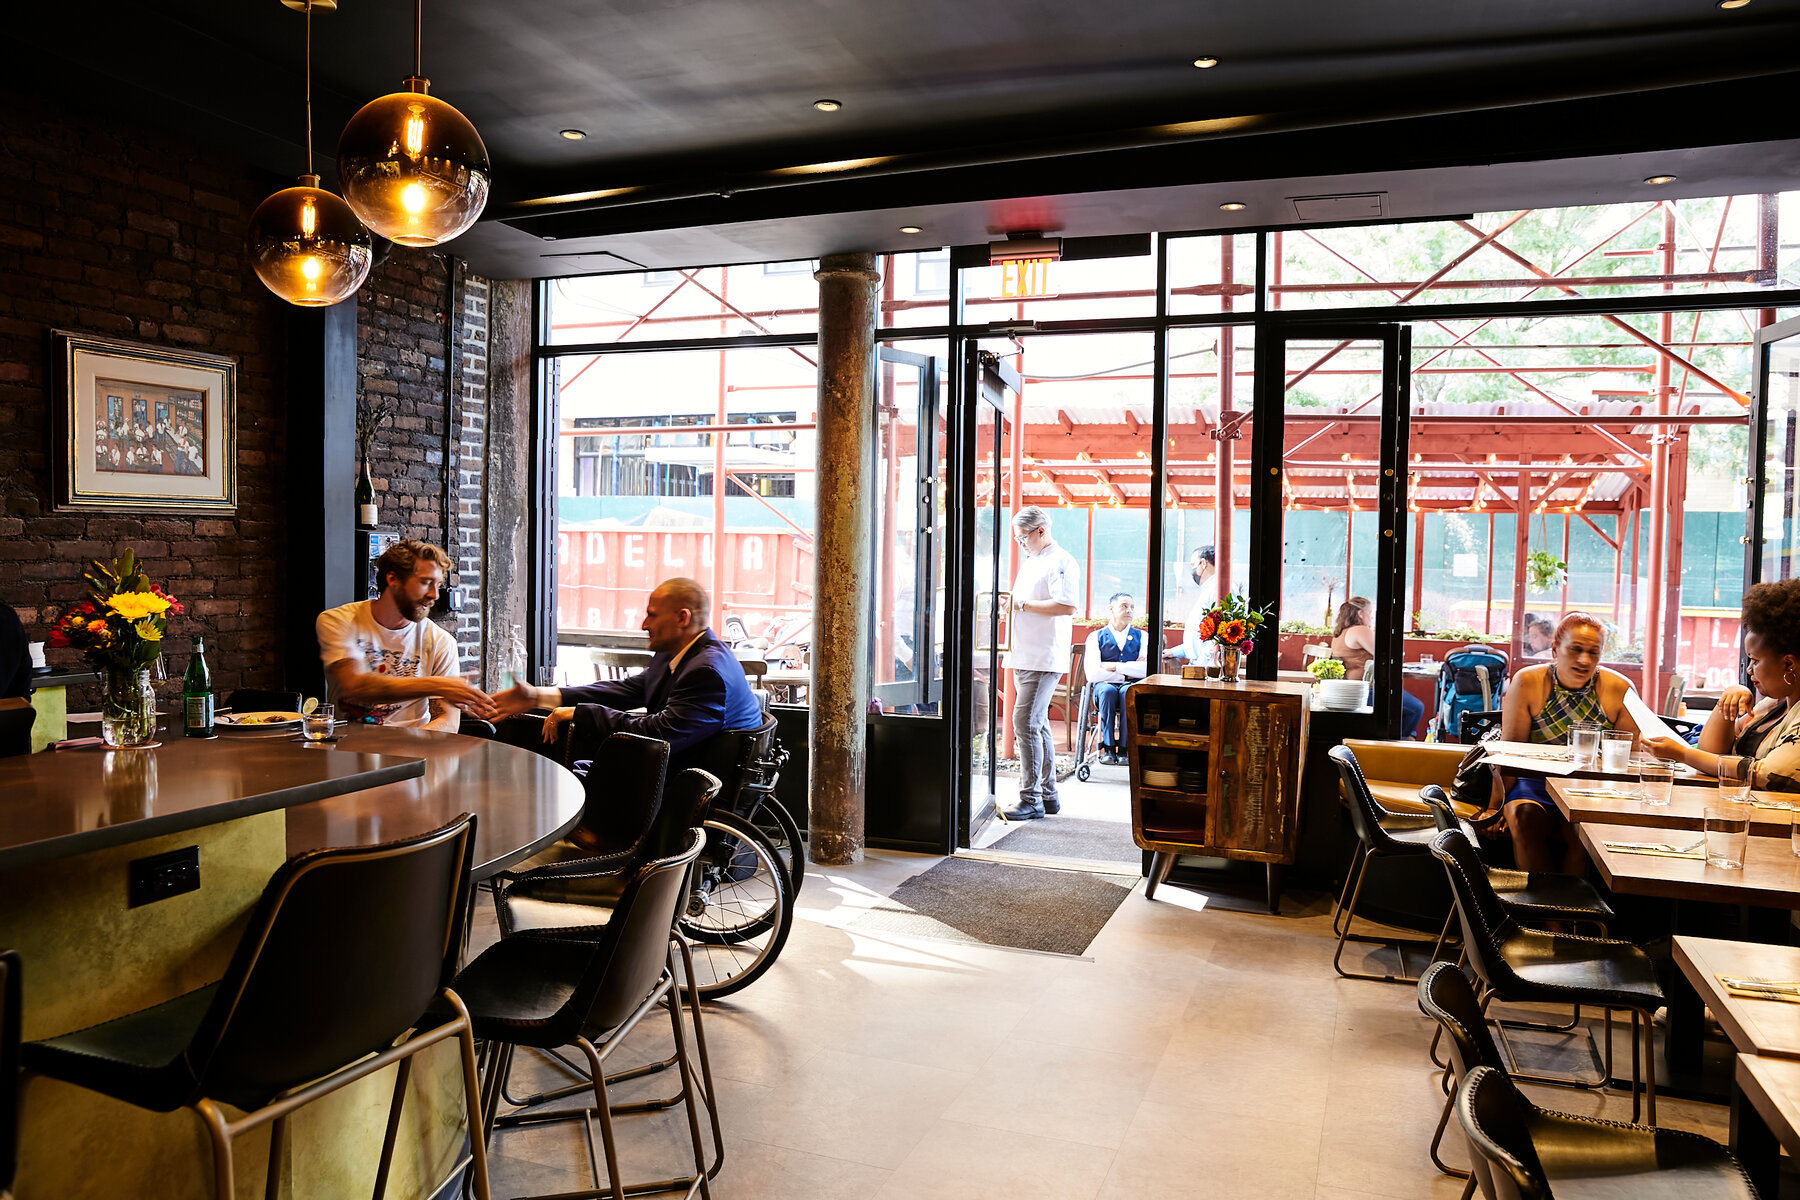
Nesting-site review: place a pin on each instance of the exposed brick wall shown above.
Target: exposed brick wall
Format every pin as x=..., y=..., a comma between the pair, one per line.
x=471, y=523
x=112, y=229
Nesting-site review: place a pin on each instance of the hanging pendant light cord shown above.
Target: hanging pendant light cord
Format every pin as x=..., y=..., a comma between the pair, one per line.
x=419, y=37
x=308, y=89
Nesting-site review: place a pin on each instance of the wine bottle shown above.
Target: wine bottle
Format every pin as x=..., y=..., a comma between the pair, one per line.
x=366, y=512
x=197, y=694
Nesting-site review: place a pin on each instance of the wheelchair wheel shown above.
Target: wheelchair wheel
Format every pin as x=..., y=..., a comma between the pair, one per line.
x=740, y=909
x=1082, y=772
x=776, y=823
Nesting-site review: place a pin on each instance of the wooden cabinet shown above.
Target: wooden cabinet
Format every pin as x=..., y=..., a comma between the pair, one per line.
x=1215, y=770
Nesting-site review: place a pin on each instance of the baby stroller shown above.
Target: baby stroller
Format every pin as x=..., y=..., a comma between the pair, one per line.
x=1472, y=679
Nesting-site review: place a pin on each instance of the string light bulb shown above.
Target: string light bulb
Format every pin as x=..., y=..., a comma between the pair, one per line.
x=305, y=244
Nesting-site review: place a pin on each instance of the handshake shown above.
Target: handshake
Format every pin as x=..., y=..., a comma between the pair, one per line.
x=498, y=706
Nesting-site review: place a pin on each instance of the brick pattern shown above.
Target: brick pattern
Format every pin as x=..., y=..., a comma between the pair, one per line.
x=121, y=231
x=471, y=522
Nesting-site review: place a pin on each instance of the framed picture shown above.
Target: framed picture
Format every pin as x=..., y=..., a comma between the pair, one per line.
x=143, y=428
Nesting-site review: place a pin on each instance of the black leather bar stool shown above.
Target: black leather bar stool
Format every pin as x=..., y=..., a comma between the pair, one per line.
x=1519, y=964
x=11, y=993
x=1534, y=898
x=1530, y=1153
x=1447, y=997
x=1379, y=834
x=545, y=991
x=343, y=954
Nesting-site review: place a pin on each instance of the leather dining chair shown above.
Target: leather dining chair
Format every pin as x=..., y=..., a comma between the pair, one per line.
x=1380, y=834
x=1519, y=964
x=1448, y=998
x=545, y=991
x=1530, y=1153
x=344, y=953
x=11, y=994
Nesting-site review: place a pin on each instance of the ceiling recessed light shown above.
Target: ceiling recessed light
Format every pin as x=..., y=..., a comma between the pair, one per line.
x=1659, y=180
x=1733, y=3
x=828, y=105
x=574, y=135
x=1206, y=61
x=911, y=229
x=1233, y=206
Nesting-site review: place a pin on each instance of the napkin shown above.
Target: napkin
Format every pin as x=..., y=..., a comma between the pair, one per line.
x=1654, y=848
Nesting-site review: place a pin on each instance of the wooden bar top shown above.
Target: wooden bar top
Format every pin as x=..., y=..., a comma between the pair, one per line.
x=1265, y=686
x=1754, y=1026
x=522, y=801
x=1770, y=876
x=1685, y=810
x=62, y=802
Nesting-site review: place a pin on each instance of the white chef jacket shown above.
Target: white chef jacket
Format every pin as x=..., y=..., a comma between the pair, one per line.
x=1041, y=643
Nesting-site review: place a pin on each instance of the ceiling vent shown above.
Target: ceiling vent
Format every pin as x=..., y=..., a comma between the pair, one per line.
x=1337, y=210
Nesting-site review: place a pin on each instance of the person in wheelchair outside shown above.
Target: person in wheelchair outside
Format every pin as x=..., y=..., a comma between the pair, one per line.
x=1115, y=659
x=692, y=689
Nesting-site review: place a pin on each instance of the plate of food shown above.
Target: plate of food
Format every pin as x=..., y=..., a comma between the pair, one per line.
x=257, y=722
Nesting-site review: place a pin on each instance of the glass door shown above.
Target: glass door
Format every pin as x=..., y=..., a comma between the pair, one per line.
x=907, y=667
x=1329, y=511
x=980, y=630
x=1772, y=539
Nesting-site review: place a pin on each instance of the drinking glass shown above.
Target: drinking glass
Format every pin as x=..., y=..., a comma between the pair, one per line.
x=1426, y=660
x=1727, y=834
x=1615, y=751
x=317, y=725
x=1584, y=744
x=1794, y=832
x=1656, y=780
x=1734, y=780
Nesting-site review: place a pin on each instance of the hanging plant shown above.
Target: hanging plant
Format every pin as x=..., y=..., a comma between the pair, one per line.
x=1544, y=571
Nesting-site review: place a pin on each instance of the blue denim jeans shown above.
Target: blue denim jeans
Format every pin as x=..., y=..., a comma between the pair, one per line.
x=1035, y=746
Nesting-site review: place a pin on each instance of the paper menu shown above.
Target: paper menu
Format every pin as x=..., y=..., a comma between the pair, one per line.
x=1648, y=723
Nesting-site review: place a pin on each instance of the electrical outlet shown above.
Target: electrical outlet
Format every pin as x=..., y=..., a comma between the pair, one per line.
x=164, y=875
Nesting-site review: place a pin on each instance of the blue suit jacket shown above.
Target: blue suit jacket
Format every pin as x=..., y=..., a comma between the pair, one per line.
x=706, y=694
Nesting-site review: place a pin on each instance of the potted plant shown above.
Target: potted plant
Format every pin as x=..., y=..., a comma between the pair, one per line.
x=1544, y=571
x=119, y=631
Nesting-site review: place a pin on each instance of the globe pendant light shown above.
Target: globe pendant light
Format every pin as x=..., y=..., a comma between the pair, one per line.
x=412, y=167
x=305, y=243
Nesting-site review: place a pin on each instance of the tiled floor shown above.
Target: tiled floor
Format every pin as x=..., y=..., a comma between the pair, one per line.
x=1195, y=1052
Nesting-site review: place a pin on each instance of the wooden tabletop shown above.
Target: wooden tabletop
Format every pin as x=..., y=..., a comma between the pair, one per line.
x=1754, y=1026
x=1772, y=1086
x=522, y=801
x=1685, y=810
x=63, y=802
x=1769, y=878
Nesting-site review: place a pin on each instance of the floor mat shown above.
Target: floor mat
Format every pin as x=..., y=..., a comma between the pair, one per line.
x=1073, y=837
x=1028, y=908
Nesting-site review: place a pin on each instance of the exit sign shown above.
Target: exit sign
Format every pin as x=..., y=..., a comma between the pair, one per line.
x=1025, y=278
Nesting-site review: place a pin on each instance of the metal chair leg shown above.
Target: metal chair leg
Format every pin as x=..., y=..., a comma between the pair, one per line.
x=403, y=1075
x=1437, y=1140
x=1358, y=858
x=602, y=1108
x=1399, y=945
x=224, y=1183
x=272, y=1177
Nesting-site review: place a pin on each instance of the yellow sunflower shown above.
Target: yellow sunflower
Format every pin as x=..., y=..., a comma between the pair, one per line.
x=135, y=606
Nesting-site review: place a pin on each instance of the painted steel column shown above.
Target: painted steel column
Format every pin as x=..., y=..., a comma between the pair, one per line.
x=1655, y=614
x=1521, y=548
x=837, y=726
x=1224, y=480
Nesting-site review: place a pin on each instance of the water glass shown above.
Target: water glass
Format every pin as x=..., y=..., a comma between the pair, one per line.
x=1734, y=780
x=1794, y=832
x=1426, y=660
x=1656, y=781
x=1615, y=751
x=1727, y=834
x=317, y=725
x=1584, y=744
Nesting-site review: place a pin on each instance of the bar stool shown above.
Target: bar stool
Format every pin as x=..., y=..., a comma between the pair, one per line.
x=1526, y=1150
x=1517, y=964
x=1530, y=896
x=283, y=1028
x=1379, y=834
x=11, y=991
x=544, y=991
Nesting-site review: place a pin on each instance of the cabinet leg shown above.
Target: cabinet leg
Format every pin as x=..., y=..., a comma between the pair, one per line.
x=1160, y=866
x=1275, y=888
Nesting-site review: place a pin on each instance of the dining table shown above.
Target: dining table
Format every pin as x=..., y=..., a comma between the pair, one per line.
x=1590, y=801
x=1769, y=878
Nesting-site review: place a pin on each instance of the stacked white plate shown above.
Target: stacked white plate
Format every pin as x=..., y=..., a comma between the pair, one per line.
x=1160, y=779
x=1341, y=694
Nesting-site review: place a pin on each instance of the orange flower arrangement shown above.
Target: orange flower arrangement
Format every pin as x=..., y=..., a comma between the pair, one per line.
x=1231, y=623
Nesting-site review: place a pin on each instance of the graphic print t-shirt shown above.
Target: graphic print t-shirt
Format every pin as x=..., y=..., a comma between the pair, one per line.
x=417, y=648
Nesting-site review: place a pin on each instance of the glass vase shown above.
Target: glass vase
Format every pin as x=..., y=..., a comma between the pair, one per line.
x=1230, y=659
x=127, y=707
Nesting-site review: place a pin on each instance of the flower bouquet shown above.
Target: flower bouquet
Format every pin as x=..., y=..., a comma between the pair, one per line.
x=1231, y=624
x=119, y=631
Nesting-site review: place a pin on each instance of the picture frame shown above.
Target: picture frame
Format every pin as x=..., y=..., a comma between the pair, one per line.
x=142, y=428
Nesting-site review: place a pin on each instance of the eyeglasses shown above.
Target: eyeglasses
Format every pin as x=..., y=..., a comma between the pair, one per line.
x=1022, y=536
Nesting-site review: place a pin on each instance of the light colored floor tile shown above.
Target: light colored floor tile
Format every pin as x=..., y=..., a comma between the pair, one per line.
x=1175, y=1153
x=965, y=1162
x=755, y=1169
x=1067, y=1092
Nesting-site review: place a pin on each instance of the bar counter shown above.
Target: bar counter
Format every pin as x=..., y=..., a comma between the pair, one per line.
x=73, y=822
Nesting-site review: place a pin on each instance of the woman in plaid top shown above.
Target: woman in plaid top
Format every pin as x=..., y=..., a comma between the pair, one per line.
x=1543, y=703
x=1761, y=741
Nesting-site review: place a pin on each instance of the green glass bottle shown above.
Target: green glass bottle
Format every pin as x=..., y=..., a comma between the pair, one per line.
x=197, y=694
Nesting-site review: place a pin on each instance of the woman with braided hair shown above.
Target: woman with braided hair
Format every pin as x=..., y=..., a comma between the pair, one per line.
x=1757, y=741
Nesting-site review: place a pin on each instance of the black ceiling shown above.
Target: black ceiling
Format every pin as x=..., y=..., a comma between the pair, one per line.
x=968, y=118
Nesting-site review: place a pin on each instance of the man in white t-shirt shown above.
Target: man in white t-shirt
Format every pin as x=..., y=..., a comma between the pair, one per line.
x=385, y=663
x=1043, y=603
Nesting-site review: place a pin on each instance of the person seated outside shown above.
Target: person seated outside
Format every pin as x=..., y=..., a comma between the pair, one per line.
x=1543, y=703
x=692, y=689
x=1760, y=743
x=1538, y=638
x=1353, y=643
x=1114, y=659
x=385, y=663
